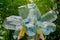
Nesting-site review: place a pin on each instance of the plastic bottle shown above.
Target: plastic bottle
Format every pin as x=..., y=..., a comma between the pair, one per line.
x=50, y=16
x=15, y=35
x=34, y=12
x=13, y=23
x=47, y=27
x=23, y=11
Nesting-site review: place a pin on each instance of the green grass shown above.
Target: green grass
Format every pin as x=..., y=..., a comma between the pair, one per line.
x=10, y=7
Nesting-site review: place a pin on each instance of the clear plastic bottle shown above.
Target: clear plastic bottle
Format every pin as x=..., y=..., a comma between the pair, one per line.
x=34, y=12
x=23, y=11
x=13, y=23
x=47, y=27
x=50, y=16
x=15, y=35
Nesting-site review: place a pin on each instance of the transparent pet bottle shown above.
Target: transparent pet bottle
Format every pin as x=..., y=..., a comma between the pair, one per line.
x=49, y=16
x=30, y=30
x=12, y=23
x=15, y=35
x=47, y=27
x=23, y=11
x=34, y=12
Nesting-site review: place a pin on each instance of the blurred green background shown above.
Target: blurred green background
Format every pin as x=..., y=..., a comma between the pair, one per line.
x=10, y=7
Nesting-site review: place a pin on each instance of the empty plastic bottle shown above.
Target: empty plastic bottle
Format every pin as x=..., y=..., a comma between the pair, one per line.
x=15, y=35
x=34, y=12
x=13, y=23
x=30, y=30
x=47, y=27
x=50, y=16
x=23, y=11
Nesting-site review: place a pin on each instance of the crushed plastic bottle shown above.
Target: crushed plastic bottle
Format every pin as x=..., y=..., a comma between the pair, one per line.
x=15, y=35
x=47, y=27
x=50, y=16
x=34, y=12
x=13, y=23
x=30, y=28
x=23, y=11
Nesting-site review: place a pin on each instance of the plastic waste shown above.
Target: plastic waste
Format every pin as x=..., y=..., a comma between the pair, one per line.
x=23, y=11
x=15, y=35
x=34, y=12
x=30, y=29
x=49, y=16
x=47, y=27
x=13, y=23
x=31, y=21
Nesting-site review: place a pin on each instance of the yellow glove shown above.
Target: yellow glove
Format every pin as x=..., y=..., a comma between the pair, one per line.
x=38, y=30
x=21, y=33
